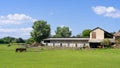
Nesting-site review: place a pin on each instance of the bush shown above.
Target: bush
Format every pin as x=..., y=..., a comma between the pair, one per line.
x=106, y=43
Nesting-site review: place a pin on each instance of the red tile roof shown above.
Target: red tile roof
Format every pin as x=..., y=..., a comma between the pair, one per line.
x=117, y=34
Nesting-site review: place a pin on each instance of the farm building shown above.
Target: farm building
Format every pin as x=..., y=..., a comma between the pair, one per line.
x=117, y=35
x=96, y=36
x=67, y=42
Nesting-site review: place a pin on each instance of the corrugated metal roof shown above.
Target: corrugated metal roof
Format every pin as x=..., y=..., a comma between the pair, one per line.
x=99, y=40
x=67, y=39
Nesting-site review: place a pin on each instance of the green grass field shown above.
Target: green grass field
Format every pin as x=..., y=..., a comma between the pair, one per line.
x=64, y=58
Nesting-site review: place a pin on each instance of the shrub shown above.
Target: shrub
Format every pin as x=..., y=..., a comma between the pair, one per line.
x=106, y=43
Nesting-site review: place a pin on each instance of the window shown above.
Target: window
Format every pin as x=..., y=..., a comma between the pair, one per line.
x=46, y=41
x=94, y=35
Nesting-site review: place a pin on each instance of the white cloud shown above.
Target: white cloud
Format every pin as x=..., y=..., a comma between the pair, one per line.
x=99, y=9
x=25, y=29
x=107, y=11
x=110, y=9
x=16, y=19
x=7, y=30
x=21, y=32
x=16, y=25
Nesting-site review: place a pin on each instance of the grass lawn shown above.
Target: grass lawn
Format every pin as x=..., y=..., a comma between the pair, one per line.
x=65, y=58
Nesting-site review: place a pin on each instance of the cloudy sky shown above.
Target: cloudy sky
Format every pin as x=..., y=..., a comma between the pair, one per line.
x=17, y=16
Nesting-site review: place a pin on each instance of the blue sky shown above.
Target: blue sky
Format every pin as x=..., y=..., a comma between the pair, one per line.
x=17, y=16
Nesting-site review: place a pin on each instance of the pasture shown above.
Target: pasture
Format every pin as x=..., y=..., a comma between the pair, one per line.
x=59, y=58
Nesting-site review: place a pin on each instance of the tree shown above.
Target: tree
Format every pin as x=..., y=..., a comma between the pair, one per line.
x=20, y=40
x=118, y=30
x=78, y=36
x=1, y=41
x=106, y=42
x=63, y=32
x=73, y=36
x=117, y=41
x=8, y=39
x=41, y=30
x=86, y=33
x=30, y=41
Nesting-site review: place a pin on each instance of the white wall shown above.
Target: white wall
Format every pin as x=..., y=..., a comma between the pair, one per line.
x=64, y=44
x=68, y=43
x=57, y=44
x=72, y=45
x=50, y=44
x=99, y=34
x=80, y=45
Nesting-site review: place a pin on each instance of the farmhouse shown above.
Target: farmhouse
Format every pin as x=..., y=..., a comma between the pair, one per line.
x=96, y=36
x=117, y=35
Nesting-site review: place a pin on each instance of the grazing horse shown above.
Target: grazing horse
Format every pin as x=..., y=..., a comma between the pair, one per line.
x=21, y=49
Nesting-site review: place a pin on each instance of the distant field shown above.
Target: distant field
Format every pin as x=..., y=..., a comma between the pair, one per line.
x=64, y=58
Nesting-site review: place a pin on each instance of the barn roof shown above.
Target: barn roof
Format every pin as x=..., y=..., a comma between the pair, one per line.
x=99, y=40
x=67, y=39
x=102, y=30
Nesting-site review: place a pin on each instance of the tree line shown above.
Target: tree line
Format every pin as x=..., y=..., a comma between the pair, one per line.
x=7, y=40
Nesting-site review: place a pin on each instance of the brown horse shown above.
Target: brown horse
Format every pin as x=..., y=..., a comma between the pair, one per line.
x=21, y=49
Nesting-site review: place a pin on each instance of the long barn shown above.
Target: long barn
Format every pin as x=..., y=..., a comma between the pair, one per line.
x=96, y=36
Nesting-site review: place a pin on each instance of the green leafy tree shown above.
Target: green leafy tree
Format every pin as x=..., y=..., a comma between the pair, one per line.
x=106, y=43
x=30, y=41
x=8, y=39
x=86, y=33
x=20, y=40
x=73, y=36
x=41, y=30
x=78, y=36
x=63, y=32
x=117, y=41
x=1, y=41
